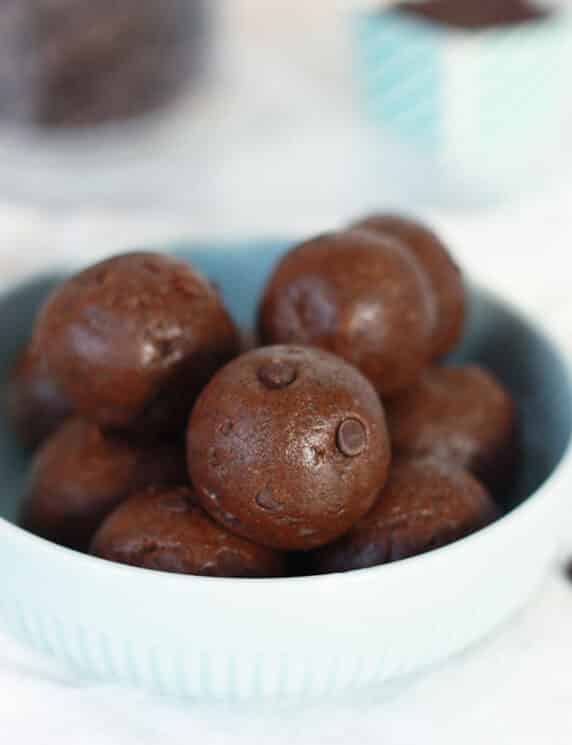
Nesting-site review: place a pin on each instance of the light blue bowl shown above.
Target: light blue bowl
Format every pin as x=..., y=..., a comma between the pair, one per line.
x=466, y=116
x=231, y=638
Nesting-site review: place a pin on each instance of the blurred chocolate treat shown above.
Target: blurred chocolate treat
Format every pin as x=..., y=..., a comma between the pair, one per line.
x=70, y=63
x=288, y=447
x=133, y=340
x=476, y=14
x=166, y=530
x=462, y=415
x=35, y=406
x=426, y=504
x=443, y=273
x=79, y=476
x=359, y=295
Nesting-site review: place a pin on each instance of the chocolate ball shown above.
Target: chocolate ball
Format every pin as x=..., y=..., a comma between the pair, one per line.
x=358, y=295
x=444, y=275
x=70, y=63
x=475, y=14
x=462, y=415
x=35, y=406
x=131, y=341
x=79, y=476
x=427, y=503
x=165, y=529
x=288, y=446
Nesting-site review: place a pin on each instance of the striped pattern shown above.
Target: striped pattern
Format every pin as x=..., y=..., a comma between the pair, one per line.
x=466, y=96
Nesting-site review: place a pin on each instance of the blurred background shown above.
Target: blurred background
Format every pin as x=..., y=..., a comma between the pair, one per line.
x=142, y=122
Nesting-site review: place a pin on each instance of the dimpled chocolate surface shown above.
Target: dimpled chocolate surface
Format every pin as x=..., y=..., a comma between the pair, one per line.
x=132, y=341
x=167, y=530
x=426, y=504
x=462, y=415
x=444, y=275
x=288, y=446
x=79, y=476
x=475, y=14
x=35, y=405
x=358, y=295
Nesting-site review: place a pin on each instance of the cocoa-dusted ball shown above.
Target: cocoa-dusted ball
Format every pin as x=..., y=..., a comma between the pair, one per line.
x=35, y=406
x=131, y=341
x=427, y=503
x=288, y=446
x=165, y=529
x=79, y=476
x=444, y=275
x=462, y=415
x=358, y=295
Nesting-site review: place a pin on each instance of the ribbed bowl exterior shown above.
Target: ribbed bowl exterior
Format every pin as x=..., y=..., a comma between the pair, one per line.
x=232, y=639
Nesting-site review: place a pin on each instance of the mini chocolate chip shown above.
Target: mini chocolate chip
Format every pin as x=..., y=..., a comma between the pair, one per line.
x=351, y=437
x=277, y=374
x=265, y=499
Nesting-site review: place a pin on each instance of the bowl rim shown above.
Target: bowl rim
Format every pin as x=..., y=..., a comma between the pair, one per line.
x=558, y=476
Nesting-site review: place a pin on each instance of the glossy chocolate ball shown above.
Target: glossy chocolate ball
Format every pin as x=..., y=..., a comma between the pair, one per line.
x=426, y=504
x=166, y=530
x=79, y=476
x=288, y=447
x=462, y=415
x=444, y=275
x=35, y=406
x=358, y=295
x=131, y=341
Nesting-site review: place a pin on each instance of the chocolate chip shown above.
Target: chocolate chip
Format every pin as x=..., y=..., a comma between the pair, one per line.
x=351, y=437
x=277, y=374
x=265, y=499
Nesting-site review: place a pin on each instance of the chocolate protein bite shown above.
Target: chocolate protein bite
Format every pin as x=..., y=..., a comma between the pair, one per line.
x=462, y=415
x=165, y=529
x=436, y=261
x=426, y=504
x=79, y=476
x=35, y=406
x=359, y=295
x=475, y=14
x=131, y=341
x=288, y=446
x=71, y=63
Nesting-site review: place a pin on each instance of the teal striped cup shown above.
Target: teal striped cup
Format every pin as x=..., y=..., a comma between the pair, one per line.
x=468, y=116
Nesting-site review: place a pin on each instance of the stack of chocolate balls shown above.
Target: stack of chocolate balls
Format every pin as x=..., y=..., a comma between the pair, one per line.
x=339, y=443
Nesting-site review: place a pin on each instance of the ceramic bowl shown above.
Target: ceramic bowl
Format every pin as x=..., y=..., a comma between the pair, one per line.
x=308, y=636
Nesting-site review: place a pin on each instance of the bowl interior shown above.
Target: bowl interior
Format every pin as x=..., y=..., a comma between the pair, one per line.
x=496, y=336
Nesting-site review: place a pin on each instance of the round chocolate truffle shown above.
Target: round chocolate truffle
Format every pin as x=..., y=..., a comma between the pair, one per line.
x=67, y=63
x=288, y=446
x=35, y=405
x=476, y=14
x=427, y=503
x=165, y=529
x=79, y=476
x=131, y=341
x=444, y=275
x=358, y=295
x=462, y=415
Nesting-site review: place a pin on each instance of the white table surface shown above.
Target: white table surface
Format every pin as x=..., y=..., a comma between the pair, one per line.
x=277, y=170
